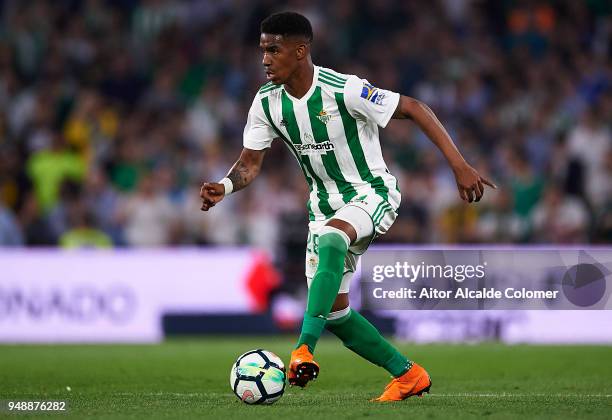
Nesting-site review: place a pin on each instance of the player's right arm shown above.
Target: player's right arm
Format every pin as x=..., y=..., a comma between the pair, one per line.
x=257, y=138
x=470, y=183
x=381, y=105
x=243, y=172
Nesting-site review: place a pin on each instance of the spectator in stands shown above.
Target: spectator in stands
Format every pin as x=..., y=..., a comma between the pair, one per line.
x=559, y=218
x=82, y=232
x=148, y=215
x=10, y=230
x=49, y=168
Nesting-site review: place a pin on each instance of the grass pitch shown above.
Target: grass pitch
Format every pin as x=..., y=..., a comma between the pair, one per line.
x=190, y=379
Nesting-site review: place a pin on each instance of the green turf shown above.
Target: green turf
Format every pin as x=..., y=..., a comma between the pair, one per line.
x=188, y=379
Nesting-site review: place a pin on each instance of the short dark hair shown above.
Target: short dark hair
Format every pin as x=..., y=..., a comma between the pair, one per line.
x=287, y=24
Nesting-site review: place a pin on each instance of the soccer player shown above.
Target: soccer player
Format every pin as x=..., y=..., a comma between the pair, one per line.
x=329, y=121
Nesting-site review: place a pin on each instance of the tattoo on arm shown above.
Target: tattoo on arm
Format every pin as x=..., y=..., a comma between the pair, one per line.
x=246, y=168
x=240, y=175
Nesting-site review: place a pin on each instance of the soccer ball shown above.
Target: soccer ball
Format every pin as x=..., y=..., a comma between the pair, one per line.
x=258, y=377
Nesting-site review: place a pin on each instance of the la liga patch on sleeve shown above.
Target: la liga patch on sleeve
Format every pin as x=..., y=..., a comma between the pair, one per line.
x=372, y=94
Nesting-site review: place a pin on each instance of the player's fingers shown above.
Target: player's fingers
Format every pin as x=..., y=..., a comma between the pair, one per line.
x=206, y=205
x=206, y=188
x=479, y=189
x=462, y=194
x=211, y=188
x=216, y=189
x=470, y=195
x=211, y=194
x=487, y=182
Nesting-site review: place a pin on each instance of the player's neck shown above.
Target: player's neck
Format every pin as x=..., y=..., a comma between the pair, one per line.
x=301, y=81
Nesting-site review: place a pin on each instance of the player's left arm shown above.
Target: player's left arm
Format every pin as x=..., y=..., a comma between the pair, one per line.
x=257, y=138
x=244, y=171
x=469, y=182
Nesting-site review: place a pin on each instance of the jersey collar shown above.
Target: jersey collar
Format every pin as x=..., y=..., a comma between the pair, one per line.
x=313, y=86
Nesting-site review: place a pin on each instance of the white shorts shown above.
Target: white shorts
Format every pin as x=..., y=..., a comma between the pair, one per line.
x=370, y=215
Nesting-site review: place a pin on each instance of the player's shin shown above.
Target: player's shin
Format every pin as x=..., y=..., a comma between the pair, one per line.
x=333, y=246
x=359, y=335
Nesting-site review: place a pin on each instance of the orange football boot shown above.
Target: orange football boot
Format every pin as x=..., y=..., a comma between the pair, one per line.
x=415, y=381
x=302, y=367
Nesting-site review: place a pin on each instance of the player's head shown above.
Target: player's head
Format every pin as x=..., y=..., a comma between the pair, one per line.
x=285, y=44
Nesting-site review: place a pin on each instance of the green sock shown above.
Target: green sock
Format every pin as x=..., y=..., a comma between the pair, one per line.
x=312, y=328
x=324, y=287
x=359, y=335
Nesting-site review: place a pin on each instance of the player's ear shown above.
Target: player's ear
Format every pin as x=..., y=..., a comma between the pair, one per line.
x=301, y=51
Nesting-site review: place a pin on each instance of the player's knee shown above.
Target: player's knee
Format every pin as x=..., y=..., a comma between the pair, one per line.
x=341, y=302
x=343, y=227
x=333, y=239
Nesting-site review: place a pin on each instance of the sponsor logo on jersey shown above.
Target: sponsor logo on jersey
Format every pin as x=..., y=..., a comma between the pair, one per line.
x=324, y=116
x=372, y=94
x=284, y=123
x=315, y=148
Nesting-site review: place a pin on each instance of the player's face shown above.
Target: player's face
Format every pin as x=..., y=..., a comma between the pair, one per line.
x=280, y=57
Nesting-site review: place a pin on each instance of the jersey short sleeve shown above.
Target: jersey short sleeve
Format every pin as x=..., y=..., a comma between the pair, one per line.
x=369, y=102
x=258, y=134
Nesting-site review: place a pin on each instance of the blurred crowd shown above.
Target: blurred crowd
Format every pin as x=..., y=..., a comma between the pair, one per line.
x=112, y=113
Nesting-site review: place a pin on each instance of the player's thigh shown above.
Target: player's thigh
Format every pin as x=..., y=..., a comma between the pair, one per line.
x=370, y=216
x=312, y=258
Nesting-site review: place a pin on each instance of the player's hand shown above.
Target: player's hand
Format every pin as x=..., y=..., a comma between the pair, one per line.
x=211, y=193
x=471, y=184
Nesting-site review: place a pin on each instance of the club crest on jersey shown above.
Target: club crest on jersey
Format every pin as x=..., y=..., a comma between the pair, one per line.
x=324, y=116
x=372, y=94
x=312, y=262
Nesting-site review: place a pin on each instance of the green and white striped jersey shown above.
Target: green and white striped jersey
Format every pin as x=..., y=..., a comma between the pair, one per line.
x=333, y=133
